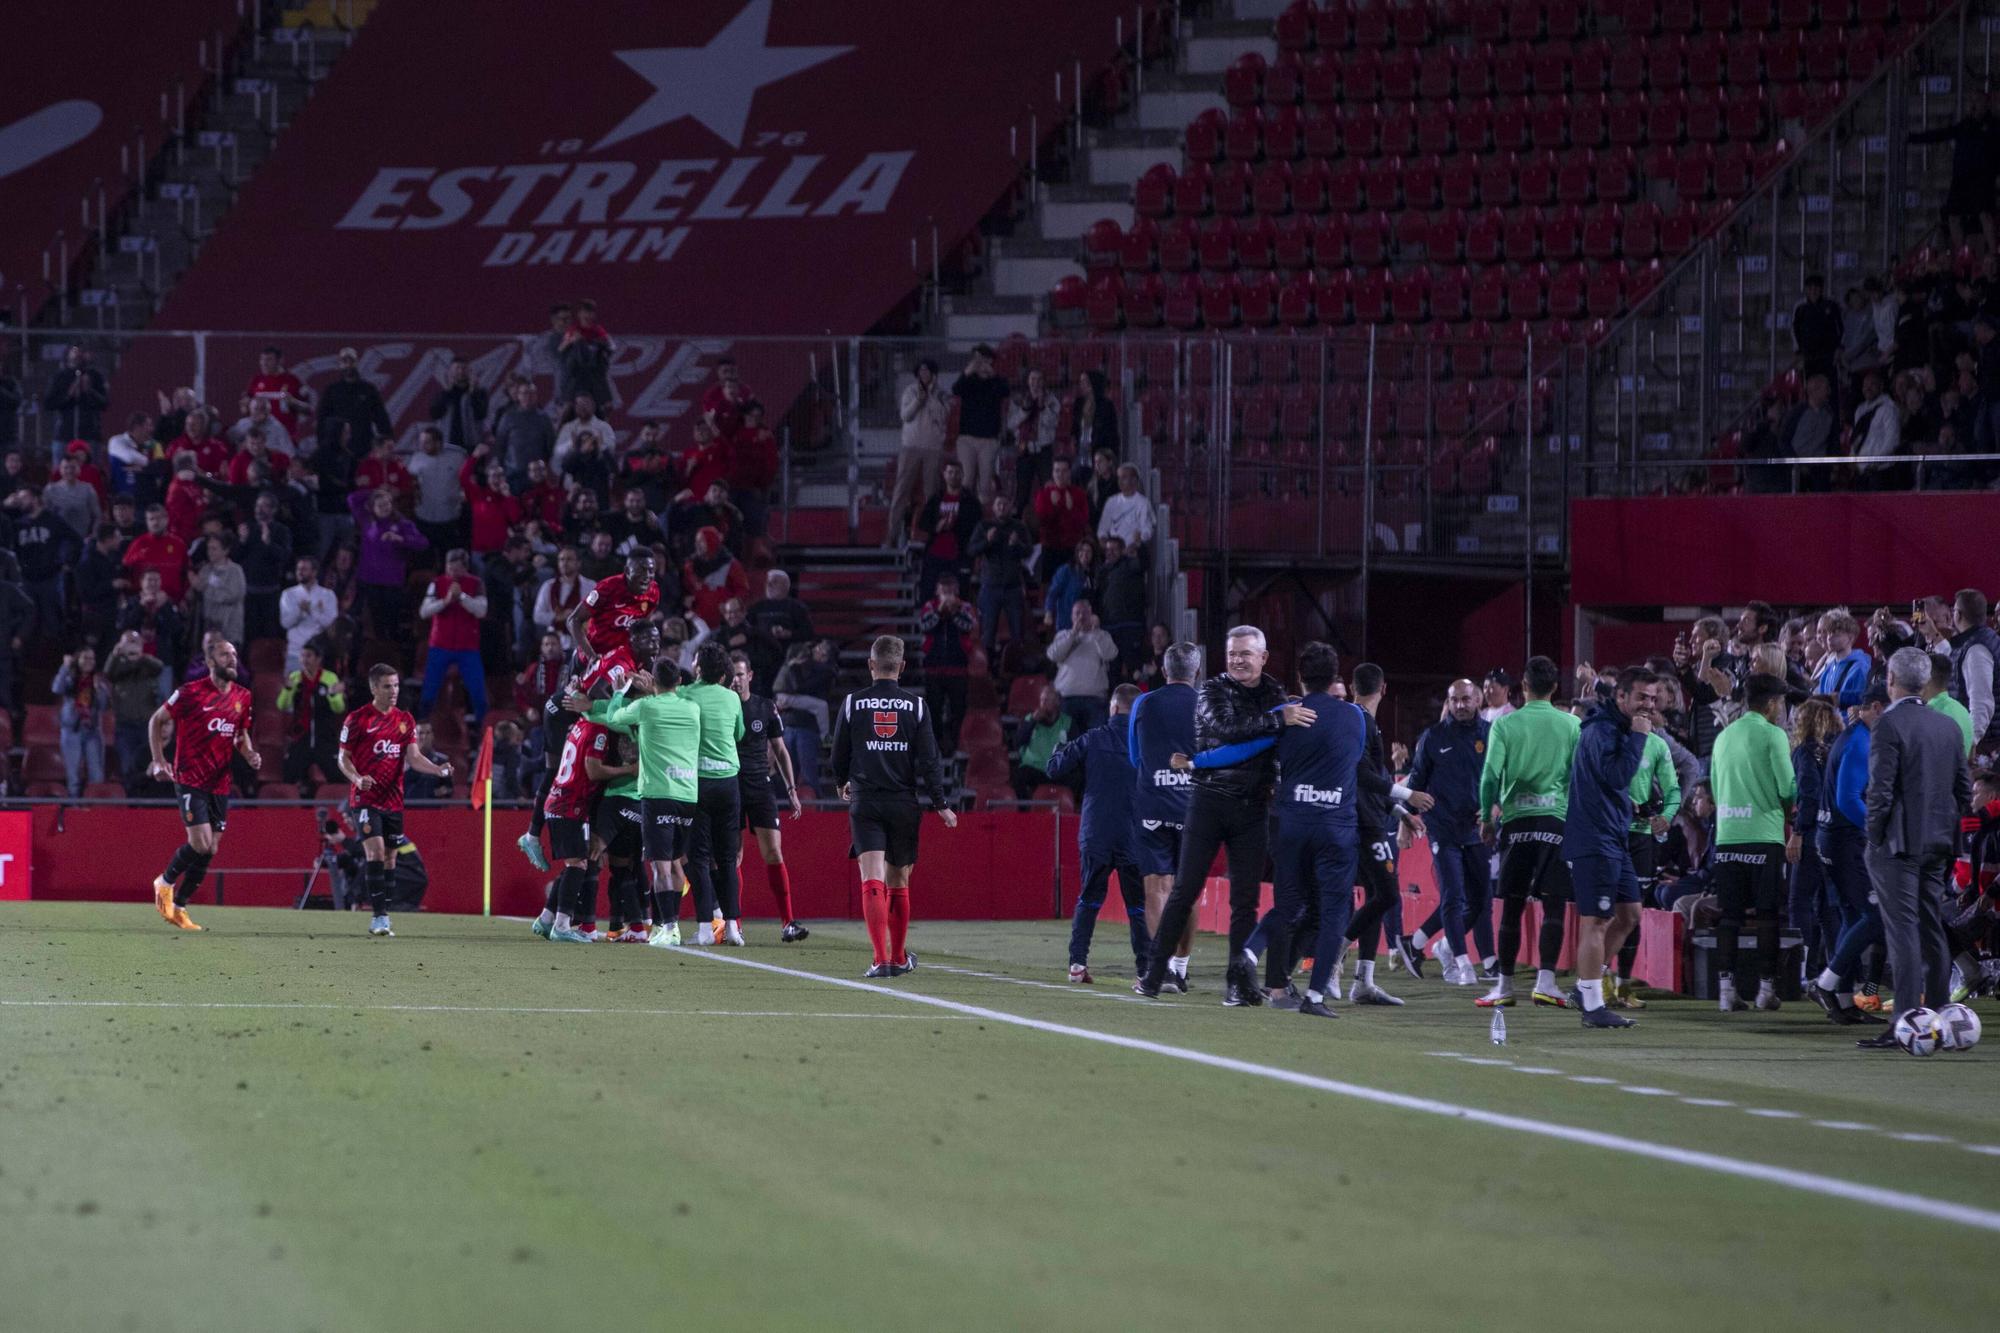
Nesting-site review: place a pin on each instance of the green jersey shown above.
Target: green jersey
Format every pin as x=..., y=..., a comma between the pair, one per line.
x=626, y=787
x=1528, y=754
x=1656, y=775
x=1956, y=711
x=721, y=727
x=1750, y=772
x=669, y=730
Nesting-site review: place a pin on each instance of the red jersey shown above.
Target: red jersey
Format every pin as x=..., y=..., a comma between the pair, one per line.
x=211, y=455
x=239, y=467
x=372, y=474
x=455, y=629
x=727, y=412
x=165, y=553
x=374, y=742
x=187, y=505
x=615, y=609
x=207, y=722
x=572, y=793
x=274, y=389
x=613, y=666
x=704, y=465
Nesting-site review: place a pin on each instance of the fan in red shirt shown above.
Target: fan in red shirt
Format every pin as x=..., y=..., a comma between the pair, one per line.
x=210, y=720
x=706, y=463
x=256, y=449
x=211, y=451
x=160, y=551
x=723, y=405
x=604, y=619
x=279, y=387
x=543, y=500
x=87, y=472
x=494, y=508
x=376, y=741
x=382, y=468
x=454, y=603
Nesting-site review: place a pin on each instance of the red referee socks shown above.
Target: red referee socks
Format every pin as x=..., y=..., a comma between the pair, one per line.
x=780, y=880
x=875, y=912
x=899, y=925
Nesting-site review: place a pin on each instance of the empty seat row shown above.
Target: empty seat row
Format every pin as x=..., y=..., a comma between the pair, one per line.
x=1339, y=27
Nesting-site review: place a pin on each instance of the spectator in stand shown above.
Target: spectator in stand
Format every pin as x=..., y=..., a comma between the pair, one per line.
x=1001, y=544
x=1937, y=696
x=388, y=540
x=541, y=677
x=1878, y=429
x=493, y=507
x=949, y=626
x=1816, y=330
x=1075, y=580
x=1844, y=674
x=187, y=500
x=739, y=634
x=705, y=463
x=198, y=438
x=944, y=529
x=1062, y=517
x=1093, y=418
x=1127, y=514
x=925, y=412
x=265, y=554
x=221, y=585
x=76, y=399
x=307, y=610
x=713, y=510
x=82, y=693
x=1101, y=484
x=507, y=761
x=174, y=409
x=584, y=448
x=1083, y=654
x=313, y=702
x=256, y=419
x=510, y=577
x=583, y=354
x=1975, y=667
x=45, y=548
x=522, y=432
x=12, y=474
x=1036, y=737
x=419, y=785
x=133, y=678
x=711, y=576
x=753, y=470
x=454, y=603
x=1811, y=429
x=72, y=500
x=351, y=417
x=542, y=499
x=1122, y=593
x=600, y=560
x=633, y=527
x=562, y=594
x=125, y=518
x=782, y=616
x=435, y=467
x=11, y=398
x=133, y=453
x=152, y=615
x=650, y=465
x=982, y=409
x=17, y=623
x=1152, y=670
x=1975, y=160
x=725, y=402
x=802, y=690
x=382, y=469
x=459, y=406
x=100, y=577
x=282, y=393
x=1033, y=416
x=257, y=453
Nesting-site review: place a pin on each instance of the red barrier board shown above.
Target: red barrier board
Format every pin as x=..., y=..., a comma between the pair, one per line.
x=17, y=856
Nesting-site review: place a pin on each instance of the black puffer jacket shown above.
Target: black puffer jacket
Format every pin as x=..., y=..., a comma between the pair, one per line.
x=1226, y=713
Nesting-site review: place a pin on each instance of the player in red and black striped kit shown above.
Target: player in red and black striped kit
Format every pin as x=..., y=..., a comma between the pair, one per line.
x=377, y=741
x=572, y=801
x=209, y=719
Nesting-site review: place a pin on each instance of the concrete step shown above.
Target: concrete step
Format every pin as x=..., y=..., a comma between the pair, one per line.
x=1171, y=107
x=1123, y=165
x=1024, y=275
x=1215, y=44
x=1067, y=211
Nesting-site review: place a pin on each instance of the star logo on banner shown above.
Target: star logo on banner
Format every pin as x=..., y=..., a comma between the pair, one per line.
x=716, y=83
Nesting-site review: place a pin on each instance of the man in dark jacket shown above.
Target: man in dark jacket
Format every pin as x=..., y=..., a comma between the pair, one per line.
x=1105, y=836
x=459, y=407
x=1816, y=328
x=76, y=399
x=1002, y=543
x=1595, y=843
x=351, y=415
x=948, y=624
x=1449, y=758
x=1228, y=809
x=945, y=528
x=1122, y=589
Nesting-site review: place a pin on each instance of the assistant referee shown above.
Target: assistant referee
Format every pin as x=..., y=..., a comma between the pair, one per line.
x=884, y=756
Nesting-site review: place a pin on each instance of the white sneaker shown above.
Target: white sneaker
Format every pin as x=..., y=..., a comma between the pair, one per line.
x=1367, y=992
x=733, y=935
x=1725, y=998
x=665, y=937
x=1767, y=996
x=379, y=925
x=706, y=935
x=1463, y=973
x=1333, y=984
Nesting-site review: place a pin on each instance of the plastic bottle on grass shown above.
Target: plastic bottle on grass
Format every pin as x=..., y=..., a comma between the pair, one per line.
x=1499, y=1028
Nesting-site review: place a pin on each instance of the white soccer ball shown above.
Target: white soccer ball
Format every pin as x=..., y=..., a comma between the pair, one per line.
x=1917, y=1031
x=1958, y=1027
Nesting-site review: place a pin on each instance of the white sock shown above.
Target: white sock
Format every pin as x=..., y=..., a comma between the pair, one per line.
x=1177, y=965
x=1592, y=992
x=1490, y=961
x=1364, y=973
x=562, y=921
x=1314, y=997
x=1545, y=981
x=1767, y=987
x=546, y=918
x=1826, y=981
x=1417, y=942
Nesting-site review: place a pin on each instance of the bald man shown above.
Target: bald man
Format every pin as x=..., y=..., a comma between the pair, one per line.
x=1446, y=766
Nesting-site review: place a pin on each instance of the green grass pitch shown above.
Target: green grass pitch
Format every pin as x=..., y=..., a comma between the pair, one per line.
x=282, y=1124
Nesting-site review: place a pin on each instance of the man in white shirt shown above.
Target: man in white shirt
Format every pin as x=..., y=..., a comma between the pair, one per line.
x=562, y=594
x=275, y=435
x=306, y=610
x=1498, y=701
x=1127, y=515
x=570, y=438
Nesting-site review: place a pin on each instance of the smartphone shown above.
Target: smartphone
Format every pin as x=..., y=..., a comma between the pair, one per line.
x=1916, y=608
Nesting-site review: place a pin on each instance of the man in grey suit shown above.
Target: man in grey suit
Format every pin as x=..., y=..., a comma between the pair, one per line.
x=1917, y=789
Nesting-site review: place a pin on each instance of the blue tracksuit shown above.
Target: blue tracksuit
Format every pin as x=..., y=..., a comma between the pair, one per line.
x=1162, y=725
x=1447, y=764
x=1106, y=835
x=1318, y=834
x=1842, y=842
x=1608, y=753
x=1844, y=680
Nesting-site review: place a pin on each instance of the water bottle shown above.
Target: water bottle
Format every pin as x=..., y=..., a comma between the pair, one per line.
x=1499, y=1028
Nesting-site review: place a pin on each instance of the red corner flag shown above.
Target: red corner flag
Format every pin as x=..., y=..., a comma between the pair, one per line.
x=482, y=770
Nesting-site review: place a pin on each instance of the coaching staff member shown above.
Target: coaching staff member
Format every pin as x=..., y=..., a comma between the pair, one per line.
x=1917, y=789
x=884, y=755
x=1229, y=808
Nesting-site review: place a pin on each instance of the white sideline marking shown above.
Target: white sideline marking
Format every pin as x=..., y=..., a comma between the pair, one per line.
x=1597, y=1079
x=1770, y=1112
x=1810, y=1182
x=431, y=1009
x=1707, y=1101
x=1069, y=988
x=1535, y=1069
x=1924, y=1138
x=1845, y=1124
x=1989, y=1149
x=1647, y=1091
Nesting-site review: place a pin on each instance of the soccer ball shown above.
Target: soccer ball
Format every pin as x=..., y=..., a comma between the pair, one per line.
x=1958, y=1027
x=1917, y=1031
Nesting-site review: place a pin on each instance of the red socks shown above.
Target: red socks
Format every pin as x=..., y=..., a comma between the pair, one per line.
x=780, y=880
x=875, y=912
x=899, y=925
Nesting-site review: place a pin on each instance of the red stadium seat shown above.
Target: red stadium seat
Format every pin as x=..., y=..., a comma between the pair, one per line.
x=1271, y=188
x=1333, y=28
x=1527, y=292
x=1617, y=175
x=1590, y=71
x=1382, y=183
x=1153, y=195
x=1707, y=60
x=1174, y=249
x=1437, y=74
x=1487, y=20
x=1218, y=301
x=1070, y=298
x=1434, y=130
x=1472, y=126
x=1104, y=245
x=1562, y=233
x=1370, y=297
x=1141, y=302
x=1458, y=181
x=1229, y=189
x=1562, y=18
x=1681, y=228
x=1398, y=134
x=1329, y=242
x=1343, y=186
x=1180, y=306
x=1735, y=171
x=1191, y=190
x=1513, y=73
x=1694, y=172
x=1666, y=116
x=1756, y=15
x=1473, y=72
x=1606, y=291
x=1412, y=25
x=1488, y=297
x=1420, y=191
x=1309, y=187
x=1410, y=296
x=1625, y=69
x=1284, y=134
x=1215, y=246
x=1204, y=136
x=1450, y=294
x=1566, y=291
x=1294, y=27
x=1138, y=247
x=1624, y=122
x=1444, y=236
x=1706, y=117
x=1360, y=131
x=1548, y=68
x=1398, y=72
x=1333, y=296
x=1104, y=305
x=1499, y=178
x=1254, y=241
x=1484, y=238
x=1535, y=181
x=1575, y=174
x=1467, y=355
x=1784, y=57
x=1319, y=133
x=1243, y=138
x=1521, y=236
x=1374, y=27
x=1825, y=56
x=1743, y=65
x=1639, y=238
x=1243, y=81
x=1601, y=232
x=1283, y=82
x=1295, y=302
x=1510, y=126
x=1257, y=299
x=1320, y=82
x=1368, y=239
x=1291, y=242
x=1548, y=124
x=1588, y=114
x=1361, y=78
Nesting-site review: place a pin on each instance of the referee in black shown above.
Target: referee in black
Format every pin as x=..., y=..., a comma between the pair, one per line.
x=885, y=755
x=1230, y=806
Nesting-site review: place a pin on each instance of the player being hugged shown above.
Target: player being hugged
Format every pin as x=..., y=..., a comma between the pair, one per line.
x=209, y=718
x=377, y=742
x=884, y=755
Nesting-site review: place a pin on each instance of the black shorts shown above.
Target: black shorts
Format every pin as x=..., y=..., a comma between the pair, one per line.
x=202, y=807
x=1375, y=866
x=759, y=801
x=384, y=824
x=1531, y=862
x=1750, y=875
x=666, y=828
x=618, y=825
x=887, y=825
x=1645, y=849
x=1159, y=848
x=569, y=839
